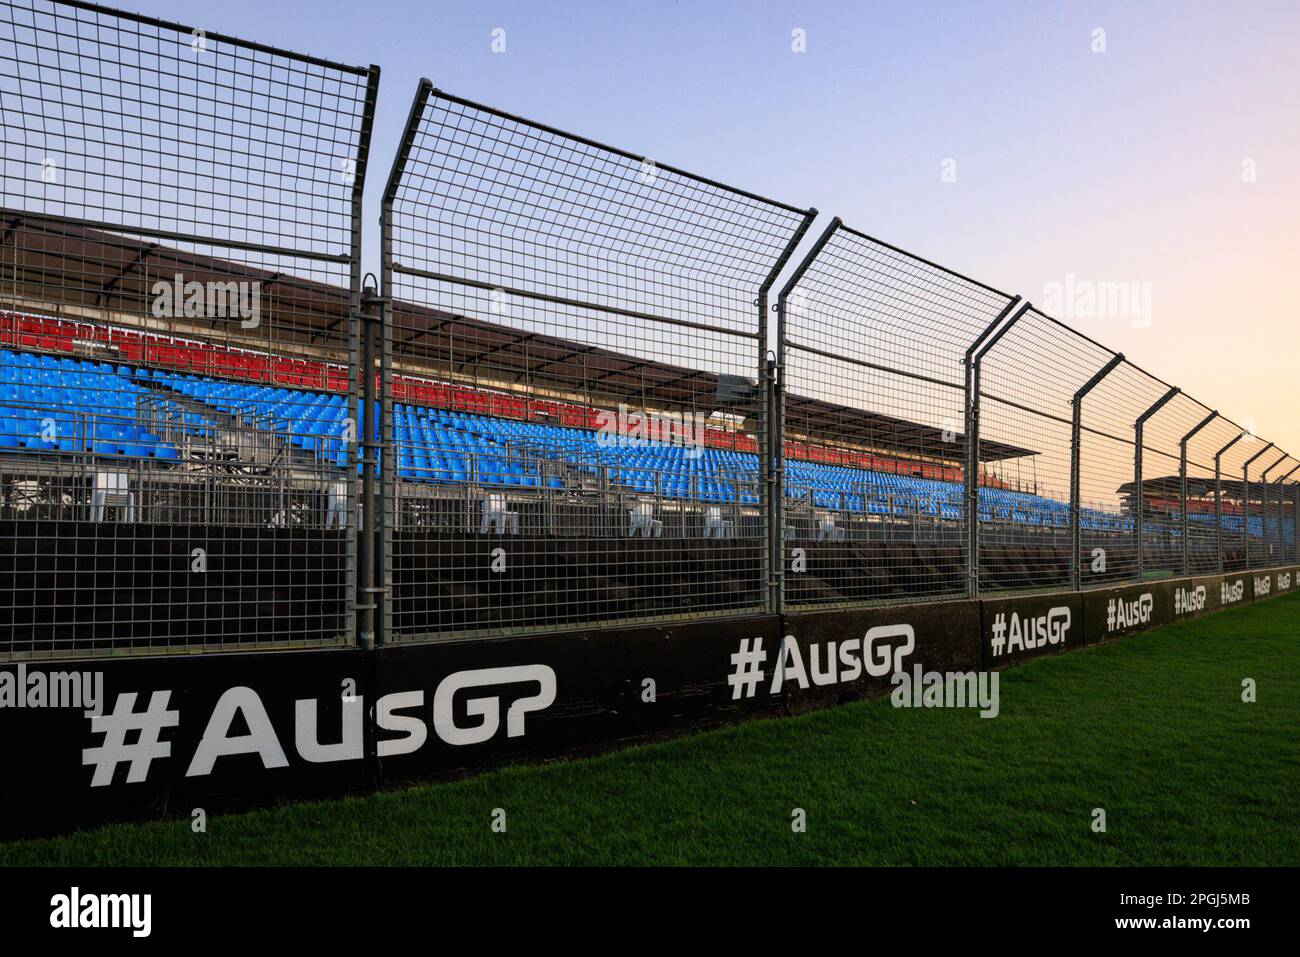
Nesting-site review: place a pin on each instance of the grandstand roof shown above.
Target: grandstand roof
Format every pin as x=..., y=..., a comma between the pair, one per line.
x=1199, y=487
x=71, y=264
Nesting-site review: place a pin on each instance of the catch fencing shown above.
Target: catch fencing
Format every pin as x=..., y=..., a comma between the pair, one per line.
x=1071, y=467
x=574, y=380
x=179, y=255
x=563, y=404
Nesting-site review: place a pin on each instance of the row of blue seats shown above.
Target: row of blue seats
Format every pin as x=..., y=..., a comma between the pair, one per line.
x=56, y=404
x=44, y=402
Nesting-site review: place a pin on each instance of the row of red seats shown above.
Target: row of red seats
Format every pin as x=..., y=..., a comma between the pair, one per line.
x=1203, y=506
x=152, y=349
x=875, y=463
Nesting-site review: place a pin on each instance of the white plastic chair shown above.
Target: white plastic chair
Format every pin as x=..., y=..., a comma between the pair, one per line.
x=112, y=489
x=497, y=517
x=827, y=532
x=715, y=525
x=642, y=519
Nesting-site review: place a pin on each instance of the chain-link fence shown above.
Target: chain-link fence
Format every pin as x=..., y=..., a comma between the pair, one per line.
x=178, y=267
x=558, y=407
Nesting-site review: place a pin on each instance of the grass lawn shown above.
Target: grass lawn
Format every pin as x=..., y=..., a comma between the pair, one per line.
x=1152, y=729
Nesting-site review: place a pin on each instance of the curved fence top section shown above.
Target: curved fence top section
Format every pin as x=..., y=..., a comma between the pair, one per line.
x=133, y=124
x=860, y=300
x=574, y=230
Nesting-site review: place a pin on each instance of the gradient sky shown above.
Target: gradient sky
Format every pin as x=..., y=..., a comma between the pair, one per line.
x=1123, y=165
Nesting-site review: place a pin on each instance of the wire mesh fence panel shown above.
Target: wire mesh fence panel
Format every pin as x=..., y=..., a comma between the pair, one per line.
x=873, y=420
x=178, y=248
x=1107, y=461
x=1207, y=526
x=1291, y=518
x=1272, y=540
x=1232, y=457
x=1258, y=457
x=1266, y=528
x=572, y=380
x=1029, y=378
x=1161, y=490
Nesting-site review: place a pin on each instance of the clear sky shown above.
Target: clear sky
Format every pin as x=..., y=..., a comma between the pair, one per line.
x=1170, y=160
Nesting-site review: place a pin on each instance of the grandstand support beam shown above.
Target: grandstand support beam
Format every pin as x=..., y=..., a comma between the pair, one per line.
x=975, y=354
x=1076, y=436
x=772, y=385
x=1138, y=509
x=1218, y=498
x=1263, y=478
x=1245, y=499
x=1182, y=485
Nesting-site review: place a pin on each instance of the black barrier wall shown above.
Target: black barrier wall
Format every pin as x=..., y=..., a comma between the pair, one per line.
x=833, y=657
x=1017, y=629
x=446, y=708
x=221, y=733
x=176, y=736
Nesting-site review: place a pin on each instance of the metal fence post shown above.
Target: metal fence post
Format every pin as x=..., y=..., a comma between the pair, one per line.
x=1138, y=428
x=1218, y=498
x=974, y=356
x=1281, y=511
x=776, y=536
x=360, y=556
x=771, y=445
x=1076, y=436
x=1182, y=486
x=1263, y=478
x=1245, y=499
x=388, y=486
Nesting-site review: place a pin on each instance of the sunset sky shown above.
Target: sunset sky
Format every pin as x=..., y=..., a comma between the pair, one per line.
x=1170, y=160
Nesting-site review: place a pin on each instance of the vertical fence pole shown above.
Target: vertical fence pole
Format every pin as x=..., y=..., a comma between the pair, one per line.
x=1185, y=526
x=1281, y=515
x=371, y=456
x=776, y=544
x=1138, y=512
x=771, y=453
x=388, y=511
x=360, y=507
x=1076, y=437
x=1263, y=478
x=974, y=354
x=1245, y=499
x=1218, y=497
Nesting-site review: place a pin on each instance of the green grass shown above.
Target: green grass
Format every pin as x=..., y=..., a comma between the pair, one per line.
x=1152, y=729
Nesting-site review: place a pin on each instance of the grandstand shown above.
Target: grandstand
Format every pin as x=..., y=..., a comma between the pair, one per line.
x=102, y=419
x=582, y=454
x=105, y=422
